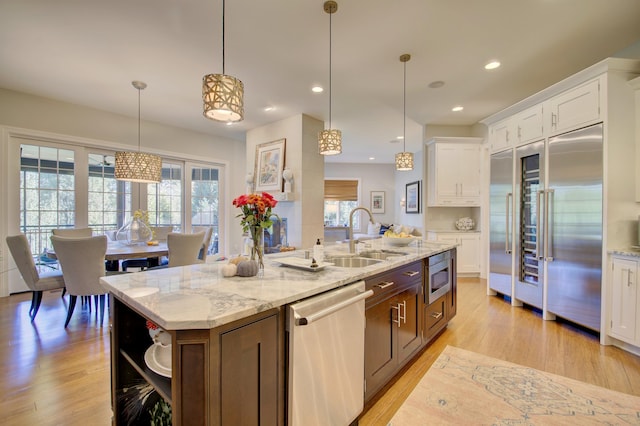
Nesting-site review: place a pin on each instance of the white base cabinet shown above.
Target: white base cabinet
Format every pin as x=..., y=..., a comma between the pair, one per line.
x=468, y=248
x=624, y=300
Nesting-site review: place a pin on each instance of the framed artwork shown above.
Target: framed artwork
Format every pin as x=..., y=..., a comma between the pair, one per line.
x=269, y=165
x=377, y=201
x=412, y=204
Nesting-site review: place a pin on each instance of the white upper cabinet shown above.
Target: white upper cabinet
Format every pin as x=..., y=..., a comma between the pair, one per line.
x=519, y=129
x=453, y=173
x=574, y=108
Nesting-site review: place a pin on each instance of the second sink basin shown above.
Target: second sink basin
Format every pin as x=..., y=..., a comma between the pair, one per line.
x=352, y=262
x=381, y=254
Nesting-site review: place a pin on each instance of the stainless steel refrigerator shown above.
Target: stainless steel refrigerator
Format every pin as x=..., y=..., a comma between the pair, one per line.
x=557, y=238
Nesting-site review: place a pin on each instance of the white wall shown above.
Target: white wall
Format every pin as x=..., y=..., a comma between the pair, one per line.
x=304, y=213
x=372, y=177
x=22, y=113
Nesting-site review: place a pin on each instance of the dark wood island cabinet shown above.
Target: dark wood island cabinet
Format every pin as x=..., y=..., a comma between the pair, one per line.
x=229, y=351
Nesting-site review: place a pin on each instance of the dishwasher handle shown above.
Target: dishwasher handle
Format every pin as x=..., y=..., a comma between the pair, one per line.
x=333, y=308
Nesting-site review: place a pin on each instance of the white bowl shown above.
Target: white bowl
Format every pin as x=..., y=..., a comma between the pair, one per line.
x=399, y=241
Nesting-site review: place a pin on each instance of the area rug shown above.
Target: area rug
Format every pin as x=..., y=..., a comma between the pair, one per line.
x=466, y=388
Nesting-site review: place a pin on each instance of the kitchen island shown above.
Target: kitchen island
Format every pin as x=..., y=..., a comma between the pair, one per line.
x=228, y=334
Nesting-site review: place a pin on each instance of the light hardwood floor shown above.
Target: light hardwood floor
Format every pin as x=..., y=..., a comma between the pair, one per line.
x=51, y=376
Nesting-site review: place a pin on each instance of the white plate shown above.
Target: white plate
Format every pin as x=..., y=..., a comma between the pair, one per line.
x=298, y=262
x=151, y=363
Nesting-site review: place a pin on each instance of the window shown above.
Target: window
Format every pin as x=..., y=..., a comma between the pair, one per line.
x=47, y=193
x=340, y=197
x=164, y=199
x=109, y=201
x=205, y=192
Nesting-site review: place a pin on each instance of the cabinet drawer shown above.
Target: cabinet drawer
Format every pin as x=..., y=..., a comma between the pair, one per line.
x=435, y=316
x=389, y=283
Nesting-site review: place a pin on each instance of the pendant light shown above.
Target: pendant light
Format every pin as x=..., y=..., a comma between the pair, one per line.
x=404, y=159
x=138, y=166
x=223, y=95
x=330, y=140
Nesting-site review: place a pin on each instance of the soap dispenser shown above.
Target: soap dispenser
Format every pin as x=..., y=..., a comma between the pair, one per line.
x=318, y=251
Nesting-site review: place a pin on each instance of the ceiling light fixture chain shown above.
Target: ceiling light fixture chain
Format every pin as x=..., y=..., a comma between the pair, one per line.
x=404, y=159
x=330, y=140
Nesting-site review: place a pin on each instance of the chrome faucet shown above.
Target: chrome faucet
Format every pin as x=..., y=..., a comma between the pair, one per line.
x=352, y=244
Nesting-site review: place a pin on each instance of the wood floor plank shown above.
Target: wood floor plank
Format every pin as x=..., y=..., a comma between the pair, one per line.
x=50, y=376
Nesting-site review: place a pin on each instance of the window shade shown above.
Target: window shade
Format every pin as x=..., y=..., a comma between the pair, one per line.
x=341, y=190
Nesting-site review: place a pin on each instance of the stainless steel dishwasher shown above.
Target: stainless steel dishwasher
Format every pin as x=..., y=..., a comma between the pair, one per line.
x=326, y=357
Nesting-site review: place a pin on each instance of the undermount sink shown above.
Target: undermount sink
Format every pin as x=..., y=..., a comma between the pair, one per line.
x=352, y=262
x=381, y=254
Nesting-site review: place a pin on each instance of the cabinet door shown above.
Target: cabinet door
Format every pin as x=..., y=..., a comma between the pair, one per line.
x=574, y=108
x=469, y=253
x=446, y=173
x=529, y=125
x=501, y=135
x=624, y=308
x=407, y=315
x=469, y=174
x=380, y=359
x=249, y=374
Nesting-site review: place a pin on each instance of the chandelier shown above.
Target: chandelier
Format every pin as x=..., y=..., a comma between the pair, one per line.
x=330, y=140
x=136, y=166
x=404, y=159
x=223, y=95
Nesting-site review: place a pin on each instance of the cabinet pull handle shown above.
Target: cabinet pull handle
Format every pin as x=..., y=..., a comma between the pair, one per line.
x=461, y=188
x=554, y=119
x=519, y=132
x=629, y=281
x=397, y=307
x=403, y=317
x=385, y=284
x=506, y=133
x=507, y=233
x=436, y=315
x=411, y=273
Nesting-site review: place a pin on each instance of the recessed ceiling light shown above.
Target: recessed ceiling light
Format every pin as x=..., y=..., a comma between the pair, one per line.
x=492, y=65
x=400, y=137
x=457, y=108
x=372, y=158
x=436, y=84
x=269, y=108
x=229, y=123
x=317, y=89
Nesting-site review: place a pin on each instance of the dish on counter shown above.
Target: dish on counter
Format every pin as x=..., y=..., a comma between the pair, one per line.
x=399, y=241
x=300, y=263
x=150, y=360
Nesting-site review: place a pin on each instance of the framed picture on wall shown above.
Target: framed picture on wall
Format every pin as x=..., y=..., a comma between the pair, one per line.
x=377, y=202
x=269, y=165
x=412, y=204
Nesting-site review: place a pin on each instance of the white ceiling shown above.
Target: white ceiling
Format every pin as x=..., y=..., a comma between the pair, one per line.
x=87, y=52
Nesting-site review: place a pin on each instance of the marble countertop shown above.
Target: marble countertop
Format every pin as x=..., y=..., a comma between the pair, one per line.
x=629, y=251
x=199, y=297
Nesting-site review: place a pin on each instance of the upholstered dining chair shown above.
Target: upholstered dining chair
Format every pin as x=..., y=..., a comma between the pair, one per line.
x=37, y=279
x=82, y=263
x=160, y=234
x=72, y=232
x=184, y=248
x=208, y=232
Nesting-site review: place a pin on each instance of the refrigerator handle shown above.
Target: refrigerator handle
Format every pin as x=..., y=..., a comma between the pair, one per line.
x=548, y=229
x=507, y=239
x=539, y=224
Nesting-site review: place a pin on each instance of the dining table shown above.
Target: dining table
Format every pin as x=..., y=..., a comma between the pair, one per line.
x=117, y=251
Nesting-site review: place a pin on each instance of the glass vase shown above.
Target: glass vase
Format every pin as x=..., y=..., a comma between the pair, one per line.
x=257, y=249
x=134, y=232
